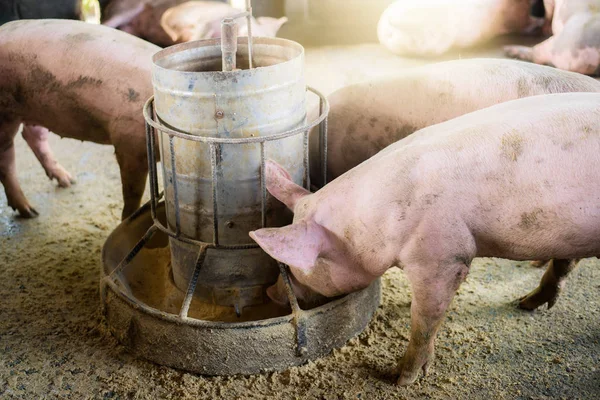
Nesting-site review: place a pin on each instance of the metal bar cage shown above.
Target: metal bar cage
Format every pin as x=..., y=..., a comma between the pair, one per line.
x=152, y=126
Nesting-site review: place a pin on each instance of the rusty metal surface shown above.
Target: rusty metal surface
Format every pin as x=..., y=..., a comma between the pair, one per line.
x=214, y=347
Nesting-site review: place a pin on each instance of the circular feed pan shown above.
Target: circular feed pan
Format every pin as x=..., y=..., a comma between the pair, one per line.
x=141, y=306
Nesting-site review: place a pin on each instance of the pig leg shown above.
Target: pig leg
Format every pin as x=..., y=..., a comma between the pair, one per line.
x=539, y=54
x=8, y=170
x=36, y=137
x=433, y=286
x=552, y=283
x=133, y=166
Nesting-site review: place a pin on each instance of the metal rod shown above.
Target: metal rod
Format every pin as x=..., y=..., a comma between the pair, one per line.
x=263, y=186
x=154, y=144
x=323, y=138
x=174, y=183
x=214, y=154
x=185, y=307
x=249, y=20
x=136, y=249
x=297, y=313
x=153, y=177
x=229, y=34
x=306, y=178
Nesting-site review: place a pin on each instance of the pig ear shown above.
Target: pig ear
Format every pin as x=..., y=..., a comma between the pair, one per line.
x=281, y=186
x=274, y=24
x=165, y=23
x=297, y=245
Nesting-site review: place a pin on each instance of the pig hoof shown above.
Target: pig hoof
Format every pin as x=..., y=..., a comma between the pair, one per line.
x=23, y=208
x=63, y=178
x=538, y=298
x=409, y=375
x=28, y=212
x=519, y=52
x=65, y=183
x=406, y=379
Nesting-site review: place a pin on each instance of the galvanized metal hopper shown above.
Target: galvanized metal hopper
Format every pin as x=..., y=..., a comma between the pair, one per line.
x=185, y=285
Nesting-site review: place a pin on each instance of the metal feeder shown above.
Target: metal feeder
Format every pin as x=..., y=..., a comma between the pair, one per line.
x=191, y=292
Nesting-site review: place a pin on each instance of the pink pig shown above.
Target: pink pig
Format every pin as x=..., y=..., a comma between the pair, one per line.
x=575, y=44
x=365, y=117
x=81, y=81
x=433, y=27
x=518, y=180
x=195, y=20
x=140, y=19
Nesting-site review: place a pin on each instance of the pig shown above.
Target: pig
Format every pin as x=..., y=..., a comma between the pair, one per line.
x=362, y=115
x=79, y=80
x=169, y=22
x=141, y=19
x=433, y=27
x=195, y=20
x=575, y=41
x=366, y=117
x=517, y=180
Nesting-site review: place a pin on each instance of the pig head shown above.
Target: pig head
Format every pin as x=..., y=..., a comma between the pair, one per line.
x=141, y=19
x=197, y=20
x=319, y=260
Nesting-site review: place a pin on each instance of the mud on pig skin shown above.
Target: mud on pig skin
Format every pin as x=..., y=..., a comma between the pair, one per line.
x=367, y=117
x=518, y=180
x=433, y=27
x=575, y=41
x=79, y=80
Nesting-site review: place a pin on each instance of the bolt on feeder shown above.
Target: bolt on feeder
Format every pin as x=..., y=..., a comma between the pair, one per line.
x=185, y=284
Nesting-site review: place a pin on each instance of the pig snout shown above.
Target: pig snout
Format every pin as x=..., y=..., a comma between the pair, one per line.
x=306, y=297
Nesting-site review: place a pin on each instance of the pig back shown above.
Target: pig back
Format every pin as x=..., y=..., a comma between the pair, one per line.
x=77, y=79
x=366, y=117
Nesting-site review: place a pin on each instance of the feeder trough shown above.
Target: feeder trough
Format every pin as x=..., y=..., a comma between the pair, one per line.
x=184, y=285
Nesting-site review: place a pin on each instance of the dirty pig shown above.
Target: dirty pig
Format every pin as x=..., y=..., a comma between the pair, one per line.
x=433, y=27
x=575, y=41
x=81, y=81
x=366, y=117
x=518, y=180
x=195, y=20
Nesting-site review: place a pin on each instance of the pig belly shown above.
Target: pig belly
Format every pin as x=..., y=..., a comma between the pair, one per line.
x=525, y=186
x=540, y=231
x=544, y=203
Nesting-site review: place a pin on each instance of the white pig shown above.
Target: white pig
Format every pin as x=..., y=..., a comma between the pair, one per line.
x=368, y=116
x=195, y=20
x=518, y=180
x=432, y=27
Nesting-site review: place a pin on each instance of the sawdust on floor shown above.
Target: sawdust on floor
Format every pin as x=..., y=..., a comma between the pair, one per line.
x=54, y=343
